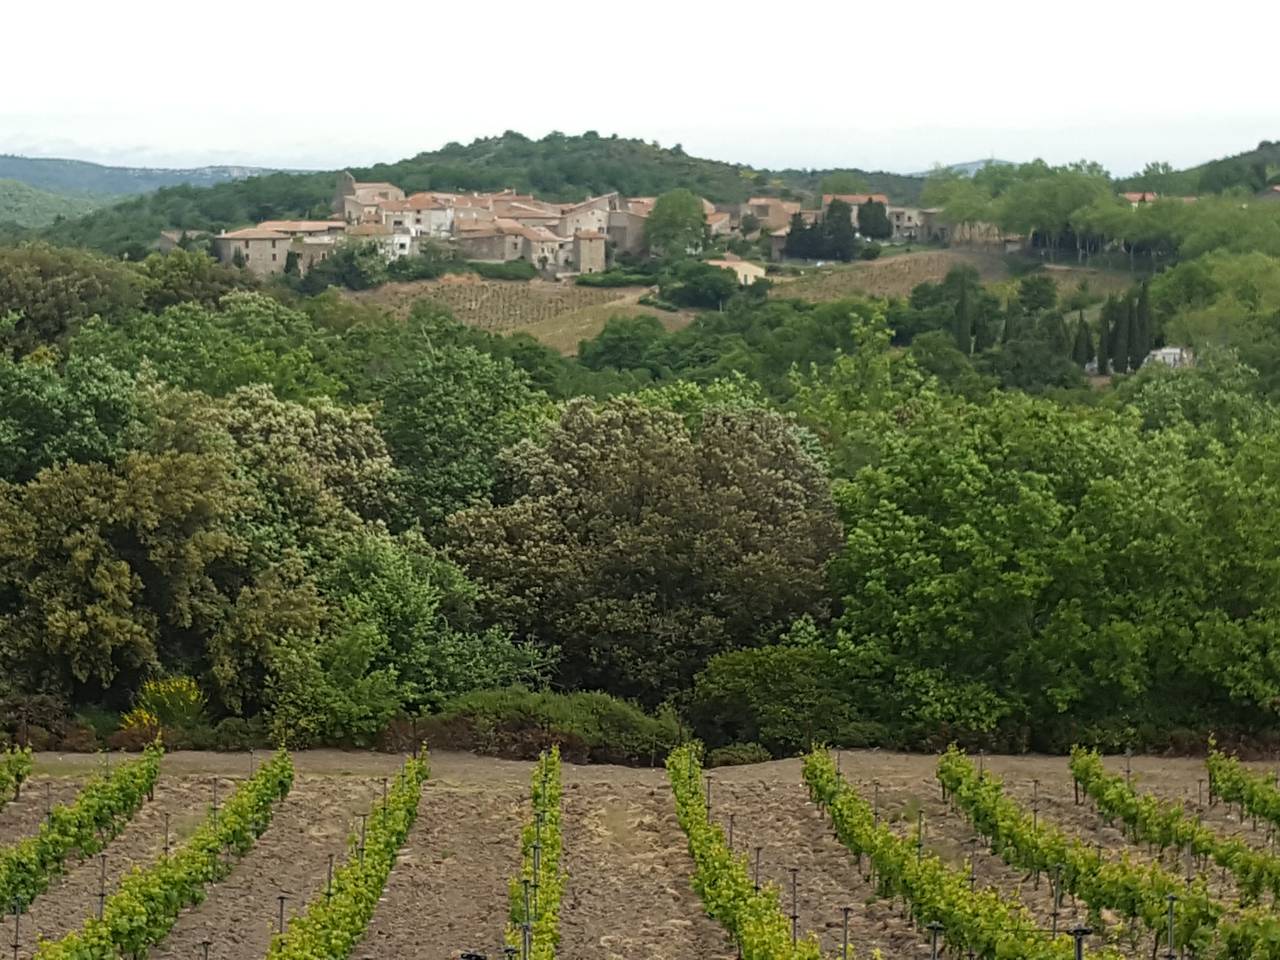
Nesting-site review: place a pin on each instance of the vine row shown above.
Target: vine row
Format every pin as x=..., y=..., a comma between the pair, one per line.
x=752, y=917
x=1255, y=793
x=979, y=921
x=147, y=902
x=83, y=827
x=1166, y=825
x=15, y=768
x=335, y=922
x=536, y=908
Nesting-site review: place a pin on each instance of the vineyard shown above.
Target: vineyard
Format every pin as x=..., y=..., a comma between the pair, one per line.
x=495, y=305
x=326, y=854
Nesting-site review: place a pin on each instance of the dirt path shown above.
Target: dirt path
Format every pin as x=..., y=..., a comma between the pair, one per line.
x=239, y=915
x=74, y=896
x=448, y=891
x=22, y=817
x=628, y=895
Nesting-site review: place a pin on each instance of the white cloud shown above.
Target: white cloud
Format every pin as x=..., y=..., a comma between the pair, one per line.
x=820, y=84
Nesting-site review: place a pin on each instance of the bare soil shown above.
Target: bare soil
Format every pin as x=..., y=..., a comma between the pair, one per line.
x=628, y=894
x=22, y=817
x=291, y=859
x=448, y=891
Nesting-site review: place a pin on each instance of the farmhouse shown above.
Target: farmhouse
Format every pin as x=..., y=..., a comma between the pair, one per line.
x=747, y=272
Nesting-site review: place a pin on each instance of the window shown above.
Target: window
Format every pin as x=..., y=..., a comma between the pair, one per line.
x=273, y=256
x=273, y=246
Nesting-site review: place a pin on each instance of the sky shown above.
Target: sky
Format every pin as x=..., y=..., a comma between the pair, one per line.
x=811, y=83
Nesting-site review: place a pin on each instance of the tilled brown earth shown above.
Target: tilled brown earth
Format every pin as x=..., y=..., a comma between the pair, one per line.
x=772, y=815
x=240, y=914
x=74, y=896
x=22, y=817
x=448, y=891
x=628, y=895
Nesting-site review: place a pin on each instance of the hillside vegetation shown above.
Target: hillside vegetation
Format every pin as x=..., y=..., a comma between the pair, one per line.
x=82, y=178
x=28, y=206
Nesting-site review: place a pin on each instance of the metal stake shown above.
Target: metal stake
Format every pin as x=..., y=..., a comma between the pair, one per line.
x=1079, y=933
x=708, y=796
x=102, y=885
x=731, y=818
x=166, y=836
x=757, y=874
x=935, y=928
x=280, y=917
x=328, y=883
x=206, y=943
x=795, y=915
x=844, y=949
x=528, y=929
x=364, y=819
x=1172, y=898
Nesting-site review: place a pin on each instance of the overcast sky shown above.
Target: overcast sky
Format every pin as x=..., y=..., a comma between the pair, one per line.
x=810, y=83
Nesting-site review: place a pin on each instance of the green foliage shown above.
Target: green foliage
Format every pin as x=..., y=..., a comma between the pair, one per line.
x=1229, y=781
x=873, y=220
x=751, y=917
x=335, y=921
x=15, y=768
x=1164, y=824
x=511, y=270
x=149, y=899
x=445, y=421
x=694, y=284
x=657, y=546
x=100, y=810
x=541, y=844
x=1136, y=892
x=53, y=290
x=979, y=921
x=595, y=726
x=738, y=754
x=28, y=206
x=623, y=343
x=677, y=224
x=174, y=702
x=615, y=278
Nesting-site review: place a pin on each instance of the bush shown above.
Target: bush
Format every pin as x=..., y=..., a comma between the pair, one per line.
x=784, y=698
x=648, y=300
x=739, y=754
x=235, y=734
x=870, y=251
x=616, y=278
x=510, y=270
x=519, y=723
x=174, y=702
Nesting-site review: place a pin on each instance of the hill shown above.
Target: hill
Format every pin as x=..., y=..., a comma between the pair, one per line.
x=1251, y=170
x=970, y=167
x=557, y=167
x=82, y=178
x=29, y=206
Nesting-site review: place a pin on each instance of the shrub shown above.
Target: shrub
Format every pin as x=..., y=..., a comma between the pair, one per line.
x=236, y=733
x=520, y=723
x=738, y=754
x=616, y=278
x=870, y=251
x=510, y=270
x=174, y=701
x=649, y=300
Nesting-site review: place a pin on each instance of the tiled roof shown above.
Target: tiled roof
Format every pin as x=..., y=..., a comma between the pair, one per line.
x=254, y=233
x=854, y=199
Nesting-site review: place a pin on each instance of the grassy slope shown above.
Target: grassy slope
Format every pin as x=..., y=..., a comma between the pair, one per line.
x=28, y=206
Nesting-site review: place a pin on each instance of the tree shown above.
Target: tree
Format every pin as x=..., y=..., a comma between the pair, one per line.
x=1140, y=344
x=622, y=344
x=1082, y=348
x=839, y=239
x=801, y=239
x=1037, y=293
x=1107, y=319
x=844, y=181
x=677, y=224
x=445, y=420
x=695, y=284
x=1121, y=331
x=189, y=276
x=873, y=221
x=641, y=545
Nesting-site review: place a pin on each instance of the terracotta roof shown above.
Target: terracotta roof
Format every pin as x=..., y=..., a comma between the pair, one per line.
x=369, y=230
x=717, y=217
x=374, y=185
x=423, y=201
x=302, y=226
x=1145, y=196
x=854, y=199
x=589, y=235
x=254, y=233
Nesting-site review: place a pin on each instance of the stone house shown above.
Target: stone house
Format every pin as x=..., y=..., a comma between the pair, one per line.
x=747, y=272
x=589, y=255
x=263, y=252
x=907, y=223
x=626, y=231
x=773, y=213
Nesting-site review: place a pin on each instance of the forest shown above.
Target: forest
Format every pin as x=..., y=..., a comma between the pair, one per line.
x=895, y=522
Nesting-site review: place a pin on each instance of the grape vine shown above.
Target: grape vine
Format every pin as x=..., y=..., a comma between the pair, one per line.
x=541, y=843
x=15, y=768
x=1256, y=794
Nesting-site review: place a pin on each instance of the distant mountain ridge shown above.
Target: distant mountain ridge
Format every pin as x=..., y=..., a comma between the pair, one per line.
x=29, y=206
x=969, y=167
x=84, y=178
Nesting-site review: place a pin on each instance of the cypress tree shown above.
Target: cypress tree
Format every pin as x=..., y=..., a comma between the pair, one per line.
x=1140, y=345
x=1120, y=328
x=1082, y=350
x=964, y=322
x=1104, y=338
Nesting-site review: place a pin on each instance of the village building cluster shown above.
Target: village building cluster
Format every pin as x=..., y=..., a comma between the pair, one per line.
x=557, y=238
